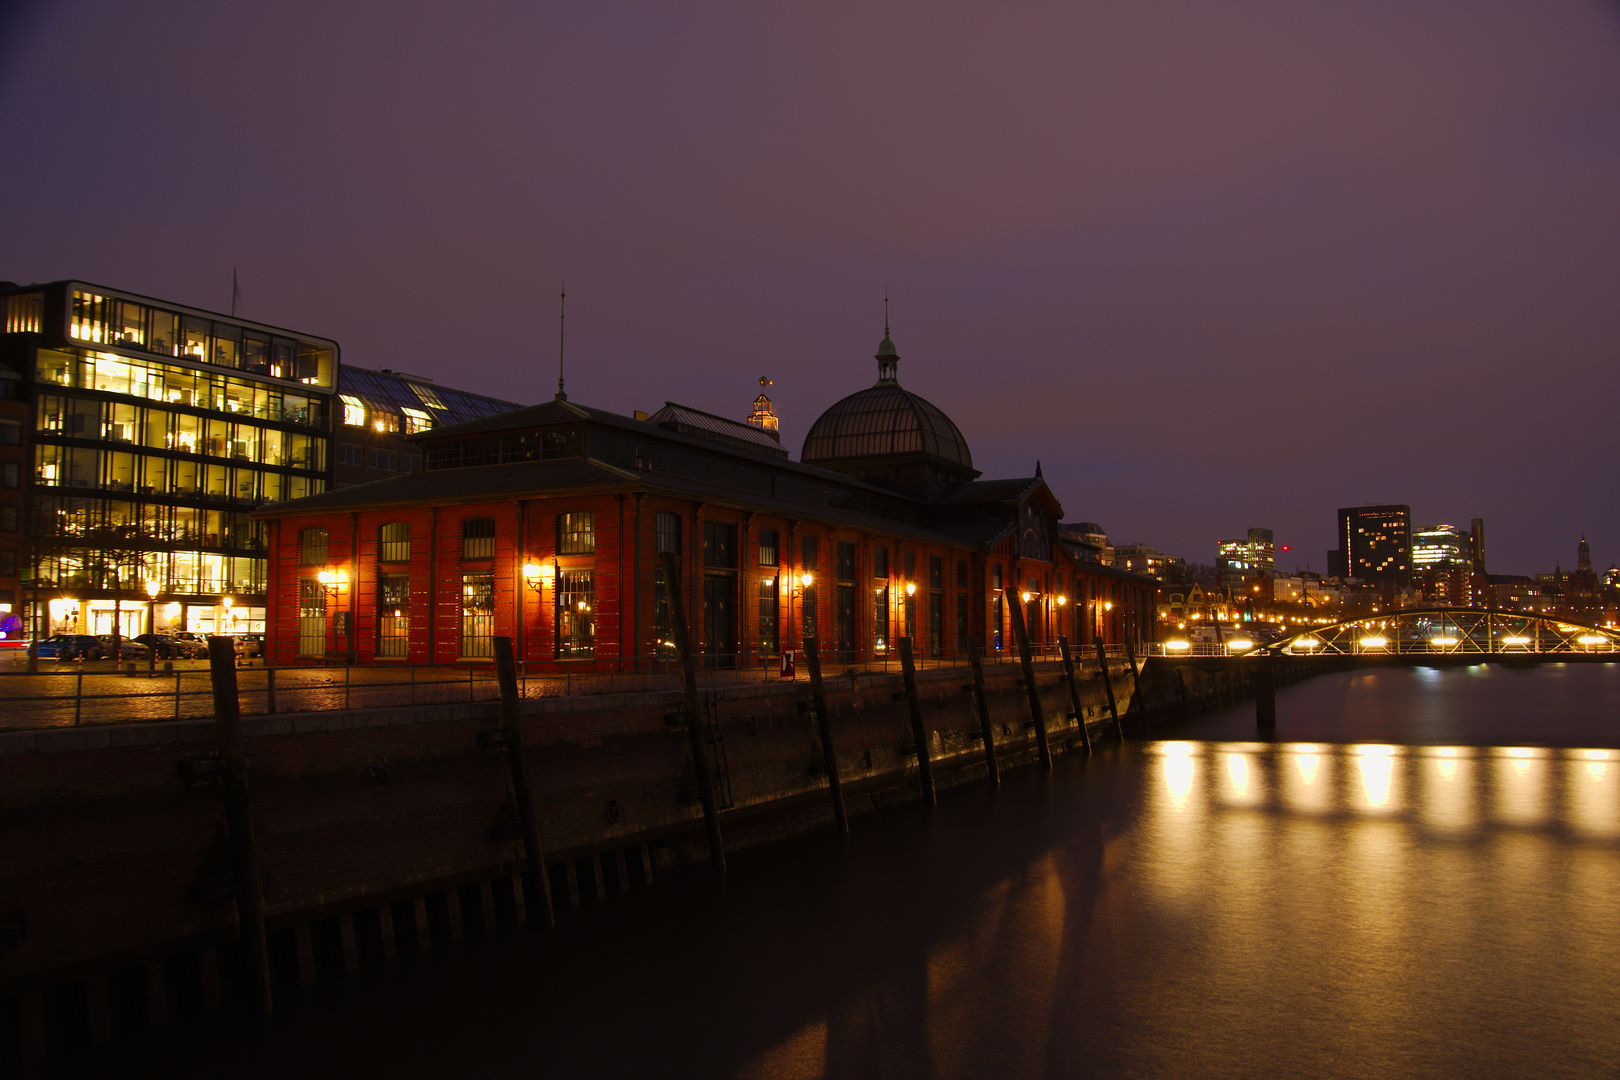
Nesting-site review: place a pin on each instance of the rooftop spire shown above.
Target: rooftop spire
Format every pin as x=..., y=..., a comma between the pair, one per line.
x=562, y=314
x=888, y=360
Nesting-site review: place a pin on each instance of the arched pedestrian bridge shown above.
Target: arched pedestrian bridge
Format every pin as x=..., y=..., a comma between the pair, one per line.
x=1419, y=632
x=1447, y=631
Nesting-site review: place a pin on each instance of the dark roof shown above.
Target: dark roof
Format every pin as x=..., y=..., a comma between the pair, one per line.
x=884, y=420
x=704, y=425
x=989, y=491
x=394, y=390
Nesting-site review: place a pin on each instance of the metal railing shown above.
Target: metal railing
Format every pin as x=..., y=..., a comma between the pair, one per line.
x=73, y=693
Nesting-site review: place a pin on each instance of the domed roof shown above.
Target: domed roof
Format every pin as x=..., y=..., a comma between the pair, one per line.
x=884, y=419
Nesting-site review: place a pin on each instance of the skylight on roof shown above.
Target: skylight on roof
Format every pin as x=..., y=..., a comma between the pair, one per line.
x=429, y=398
x=354, y=411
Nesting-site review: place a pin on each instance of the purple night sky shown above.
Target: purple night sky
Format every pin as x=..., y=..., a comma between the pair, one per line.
x=1215, y=265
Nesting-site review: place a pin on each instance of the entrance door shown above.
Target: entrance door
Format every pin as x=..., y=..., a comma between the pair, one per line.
x=719, y=620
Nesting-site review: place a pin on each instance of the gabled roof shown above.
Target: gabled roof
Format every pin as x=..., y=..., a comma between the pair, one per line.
x=704, y=425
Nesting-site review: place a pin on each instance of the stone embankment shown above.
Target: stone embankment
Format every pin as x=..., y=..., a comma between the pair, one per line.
x=388, y=830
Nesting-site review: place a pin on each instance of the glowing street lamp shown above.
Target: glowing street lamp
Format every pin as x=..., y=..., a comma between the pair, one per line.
x=152, y=590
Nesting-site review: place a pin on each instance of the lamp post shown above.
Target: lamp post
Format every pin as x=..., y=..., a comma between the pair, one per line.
x=333, y=581
x=807, y=615
x=534, y=576
x=152, y=588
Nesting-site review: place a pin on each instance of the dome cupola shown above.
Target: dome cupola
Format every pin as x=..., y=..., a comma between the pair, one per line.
x=890, y=436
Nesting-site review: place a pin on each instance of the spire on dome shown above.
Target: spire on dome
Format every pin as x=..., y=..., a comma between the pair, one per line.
x=888, y=360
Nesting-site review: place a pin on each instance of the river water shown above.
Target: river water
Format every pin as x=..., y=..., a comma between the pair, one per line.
x=1420, y=877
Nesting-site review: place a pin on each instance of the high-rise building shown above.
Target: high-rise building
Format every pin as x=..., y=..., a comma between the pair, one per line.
x=1238, y=560
x=152, y=432
x=1377, y=543
x=1440, y=544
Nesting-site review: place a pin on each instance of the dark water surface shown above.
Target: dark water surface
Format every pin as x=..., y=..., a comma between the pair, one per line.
x=1420, y=878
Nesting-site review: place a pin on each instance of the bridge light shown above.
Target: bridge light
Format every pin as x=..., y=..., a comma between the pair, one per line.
x=1177, y=646
x=1443, y=642
x=1374, y=642
x=1241, y=645
x=1516, y=639
x=1592, y=639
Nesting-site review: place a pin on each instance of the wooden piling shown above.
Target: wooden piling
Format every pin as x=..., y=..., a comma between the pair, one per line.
x=925, y=767
x=982, y=707
x=1074, y=691
x=1138, y=702
x=239, y=822
x=1265, y=696
x=536, y=883
x=1021, y=633
x=1108, y=684
x=694, y=715
x=818, y=694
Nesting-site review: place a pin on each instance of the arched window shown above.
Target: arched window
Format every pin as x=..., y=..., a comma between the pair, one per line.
x=394, y=543
x=478, y=538
x=312, y=547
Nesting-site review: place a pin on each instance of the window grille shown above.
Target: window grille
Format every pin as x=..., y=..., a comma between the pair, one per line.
x=667, y=533
x=394, y=543
x=576, y=533
x=769, y=542
x=311, y=616
x=576, y=614
x=312, y=547
x=478, y=540
x=478, y=615
x=393, y=614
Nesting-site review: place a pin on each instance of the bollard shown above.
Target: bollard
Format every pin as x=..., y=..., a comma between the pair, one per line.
x=1074, y=690
x=535, y=880
x=925, y=767
x=812, y=656
x=700, y=755
x=983, y=709
x=1021, y=632
x=1265, y=696
x=239, y=821
x=1108, y=684
x=269, y=688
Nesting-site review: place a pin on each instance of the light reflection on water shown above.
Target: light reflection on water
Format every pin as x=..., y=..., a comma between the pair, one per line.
x=1441, y=788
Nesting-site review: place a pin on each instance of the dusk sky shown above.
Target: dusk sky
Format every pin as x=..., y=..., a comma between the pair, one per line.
x=1215, y=265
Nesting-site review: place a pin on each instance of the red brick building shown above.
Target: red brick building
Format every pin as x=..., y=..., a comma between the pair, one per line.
x=546, y=524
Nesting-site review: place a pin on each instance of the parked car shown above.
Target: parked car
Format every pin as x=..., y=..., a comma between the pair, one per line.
x=72, y=647
x=250, y=645
x=171, y=648
x=126, y=648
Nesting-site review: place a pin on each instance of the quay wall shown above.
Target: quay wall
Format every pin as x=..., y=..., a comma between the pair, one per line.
x=388, y=830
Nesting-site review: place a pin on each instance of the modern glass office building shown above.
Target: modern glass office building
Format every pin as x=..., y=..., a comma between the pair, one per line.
x=156, y=430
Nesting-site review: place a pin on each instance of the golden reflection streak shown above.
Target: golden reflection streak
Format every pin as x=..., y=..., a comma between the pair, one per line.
x=1592, y=793
x=1240, y=789
x=1377, y=766
x=1174, y=825
x=1519, y=784
x=1305, y=786
x=1447, y=793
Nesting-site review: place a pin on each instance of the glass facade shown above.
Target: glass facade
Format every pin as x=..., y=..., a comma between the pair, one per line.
x=156, y=434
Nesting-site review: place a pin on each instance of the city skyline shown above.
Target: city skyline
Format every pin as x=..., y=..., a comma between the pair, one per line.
x=1214, y=272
